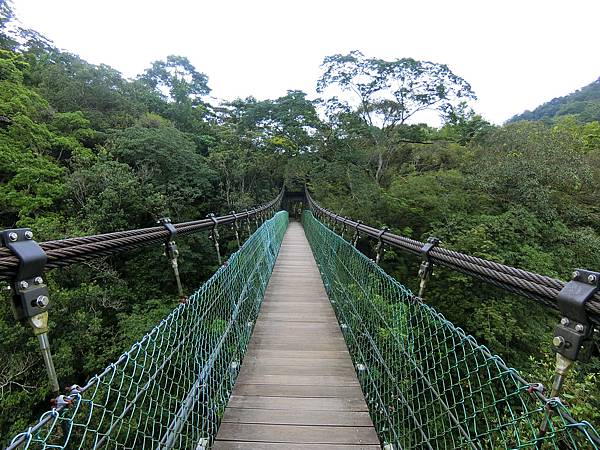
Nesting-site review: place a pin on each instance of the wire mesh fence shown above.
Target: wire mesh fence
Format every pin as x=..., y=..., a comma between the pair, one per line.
x=170, y=389
x=429, y=385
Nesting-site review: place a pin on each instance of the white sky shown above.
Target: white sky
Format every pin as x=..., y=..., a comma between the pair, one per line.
x=515, y=53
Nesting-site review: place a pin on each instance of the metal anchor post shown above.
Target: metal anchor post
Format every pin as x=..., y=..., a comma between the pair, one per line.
x=426, y=266
x=30, y=293
x=214, y=236
x=172, y=253
x=573, y=335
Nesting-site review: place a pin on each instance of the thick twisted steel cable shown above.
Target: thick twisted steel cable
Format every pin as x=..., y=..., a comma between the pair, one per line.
x=540, y=288
x=65, y=252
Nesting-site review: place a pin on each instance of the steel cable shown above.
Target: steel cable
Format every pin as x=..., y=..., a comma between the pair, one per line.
x=65, y=252
x=540, y=288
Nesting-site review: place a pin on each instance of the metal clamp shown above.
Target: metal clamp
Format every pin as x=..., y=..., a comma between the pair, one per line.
x=214, y=235
x=344, y=220
x=379, y=250
x=236, y=228
x=248, y=222
x=356, y=235
x=170, y=246
x=572, y=336
x=426, y=267
x=254, y=213
x=426, y=264
x=172, y=253
x=30, y=293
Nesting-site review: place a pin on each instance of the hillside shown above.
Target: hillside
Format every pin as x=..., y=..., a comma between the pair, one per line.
x=584, y=103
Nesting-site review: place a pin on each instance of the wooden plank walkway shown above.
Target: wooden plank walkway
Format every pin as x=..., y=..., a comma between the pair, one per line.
x=297, y=389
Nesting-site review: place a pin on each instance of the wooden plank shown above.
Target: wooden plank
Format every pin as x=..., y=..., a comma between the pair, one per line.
x=307, y=340
x=239, y=445
x=290, y=390
x=283, y=317
x=297, y=387
x=293, y=362
x=297, y=434
x=306, y=370
x=298, y=403
x=298, y=346
x=299, y=354
x=279, y=417
x=299, y=380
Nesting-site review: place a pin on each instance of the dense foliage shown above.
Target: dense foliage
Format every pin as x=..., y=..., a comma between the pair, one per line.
x=84, y=150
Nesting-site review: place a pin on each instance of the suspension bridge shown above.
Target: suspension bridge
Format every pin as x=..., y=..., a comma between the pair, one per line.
x=300, y=341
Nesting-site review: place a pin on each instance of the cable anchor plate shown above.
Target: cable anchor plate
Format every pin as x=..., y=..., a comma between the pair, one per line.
x=572, y=336
x=30, y=293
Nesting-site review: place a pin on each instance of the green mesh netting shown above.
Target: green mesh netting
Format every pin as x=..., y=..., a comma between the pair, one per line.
x=428, y=385
x=170, y=389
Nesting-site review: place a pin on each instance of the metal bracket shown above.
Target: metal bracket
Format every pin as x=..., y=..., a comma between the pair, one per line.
x=334, y=221
x=572, y=336
x=214, y=235
x=236, y=228
x=344, y=225
x=427, y=265
x=356, y=234
x=30, y=293
x=379, y=249
x=255, y=214
x=170, y=246
x=235, y=219
x=248, y=222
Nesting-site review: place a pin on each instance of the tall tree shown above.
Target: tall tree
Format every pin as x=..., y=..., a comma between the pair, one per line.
x=182, y=87
x=387, y=94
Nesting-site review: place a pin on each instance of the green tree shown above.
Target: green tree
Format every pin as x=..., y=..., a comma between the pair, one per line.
x=386, y=94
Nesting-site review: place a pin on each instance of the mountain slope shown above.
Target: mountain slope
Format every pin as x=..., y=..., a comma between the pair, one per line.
x=584, y=103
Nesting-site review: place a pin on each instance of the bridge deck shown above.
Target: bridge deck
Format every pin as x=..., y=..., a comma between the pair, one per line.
x=297, y=388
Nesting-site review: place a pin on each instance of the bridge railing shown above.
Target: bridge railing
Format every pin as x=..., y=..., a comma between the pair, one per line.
x=170, y=389
x=540, y=288
x=64, y=252
x=427, y=383
x=23, y=261
x=577, y=301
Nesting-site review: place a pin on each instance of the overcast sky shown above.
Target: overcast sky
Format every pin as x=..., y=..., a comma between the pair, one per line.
x=515, y=53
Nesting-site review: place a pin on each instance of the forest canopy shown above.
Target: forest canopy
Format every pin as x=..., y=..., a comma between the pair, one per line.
x=85, y=150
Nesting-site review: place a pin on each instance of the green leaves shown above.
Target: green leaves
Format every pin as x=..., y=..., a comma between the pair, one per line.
x=178, y=77
x=387, y=93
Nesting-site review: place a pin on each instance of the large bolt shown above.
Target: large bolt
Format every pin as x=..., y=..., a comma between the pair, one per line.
x=579, y=328
x=28, y=235
x=564, y=321
x=42, y=301
x=13, y=237
x=38, y=280
x=591, y=278
x=558, y=341
x=24, y=284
